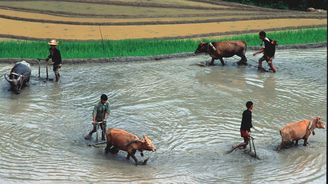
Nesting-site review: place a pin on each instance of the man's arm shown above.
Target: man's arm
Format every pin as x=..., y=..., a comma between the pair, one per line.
x=94, y=114
x=59, y=57
x=107, y=113
x=248, y=119
x=259, y=51
x=106, y=116
x=49, y=56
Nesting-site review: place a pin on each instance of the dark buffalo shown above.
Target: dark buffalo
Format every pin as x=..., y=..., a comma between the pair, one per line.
x=219, y=50
x=19, y=76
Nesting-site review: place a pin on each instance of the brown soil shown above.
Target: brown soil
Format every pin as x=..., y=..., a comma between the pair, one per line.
x=45, y=17
x=81, y=32
x=223, y=17
x=120, y=19
x=130, y=13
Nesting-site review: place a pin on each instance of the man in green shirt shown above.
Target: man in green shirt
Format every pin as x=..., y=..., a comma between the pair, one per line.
x=99, y=116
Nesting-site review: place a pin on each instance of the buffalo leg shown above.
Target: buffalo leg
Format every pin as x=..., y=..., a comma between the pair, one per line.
x=114, y=150
x=134, y=157
x=141, y=153
x=296, y=142
x=243, y=60
x=212, y=61
x=145, y=161
x=305, y=142
x=107, y=149
x=128, y=156
x=282, y=145
x=222, y=62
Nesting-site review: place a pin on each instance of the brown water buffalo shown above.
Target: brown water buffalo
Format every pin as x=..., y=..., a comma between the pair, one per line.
x=118, y=139
x=299, y=130
x=219, y=50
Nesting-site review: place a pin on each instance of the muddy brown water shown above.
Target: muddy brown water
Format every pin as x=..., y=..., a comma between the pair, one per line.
x=192, y=114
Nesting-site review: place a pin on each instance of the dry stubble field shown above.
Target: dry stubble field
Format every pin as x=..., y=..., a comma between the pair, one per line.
x=131, y=19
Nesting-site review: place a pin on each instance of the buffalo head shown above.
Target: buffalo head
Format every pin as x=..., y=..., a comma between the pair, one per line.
x=148, y=144
x=19, y=76
x=319, y=123
x=16, y=82
x=202, y=48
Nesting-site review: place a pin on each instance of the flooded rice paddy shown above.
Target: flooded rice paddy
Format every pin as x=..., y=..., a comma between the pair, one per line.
x=192, y=114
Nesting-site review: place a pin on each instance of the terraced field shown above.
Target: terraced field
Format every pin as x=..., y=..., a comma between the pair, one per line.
x=131, y=19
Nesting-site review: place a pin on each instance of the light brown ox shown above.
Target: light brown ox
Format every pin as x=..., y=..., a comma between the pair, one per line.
x=118, y=139
x=219, y=50
x=299, y=130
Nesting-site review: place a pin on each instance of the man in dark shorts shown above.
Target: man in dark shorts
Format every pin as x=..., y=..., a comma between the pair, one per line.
x=99, y=115
x=268, y=50
x=246, y=125
x=54, y=55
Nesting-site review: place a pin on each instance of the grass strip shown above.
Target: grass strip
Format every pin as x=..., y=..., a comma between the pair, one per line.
x=147, y=47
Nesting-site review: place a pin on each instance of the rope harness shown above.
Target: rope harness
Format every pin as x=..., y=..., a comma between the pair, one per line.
x=309, y=128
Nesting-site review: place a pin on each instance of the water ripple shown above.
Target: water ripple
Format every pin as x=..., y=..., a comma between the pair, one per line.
x=192, y=114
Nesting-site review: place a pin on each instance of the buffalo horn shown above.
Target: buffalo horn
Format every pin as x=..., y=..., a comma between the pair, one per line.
x=7, y=78
x=13, y=73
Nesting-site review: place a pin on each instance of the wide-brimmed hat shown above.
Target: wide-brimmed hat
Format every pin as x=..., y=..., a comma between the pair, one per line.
x=53, y=42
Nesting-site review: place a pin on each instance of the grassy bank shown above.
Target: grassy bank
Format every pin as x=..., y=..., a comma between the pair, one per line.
x=147, y=47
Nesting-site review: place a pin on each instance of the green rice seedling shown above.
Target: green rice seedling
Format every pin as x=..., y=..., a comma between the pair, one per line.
x=147, y=47
x=286, y=37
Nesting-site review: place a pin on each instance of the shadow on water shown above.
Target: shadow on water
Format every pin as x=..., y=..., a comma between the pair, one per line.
x=191, y=113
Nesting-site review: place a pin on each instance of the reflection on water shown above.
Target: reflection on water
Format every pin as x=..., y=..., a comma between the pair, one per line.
x=192, y=114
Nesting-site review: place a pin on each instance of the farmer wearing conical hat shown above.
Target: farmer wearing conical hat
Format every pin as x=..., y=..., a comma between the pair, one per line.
x=54, y=55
